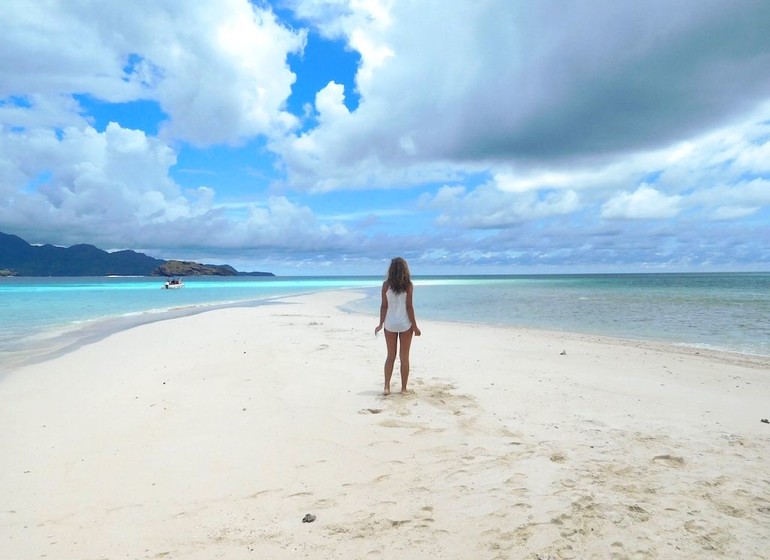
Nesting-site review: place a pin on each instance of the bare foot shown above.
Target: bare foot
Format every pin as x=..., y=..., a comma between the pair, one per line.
x=386, y=391
x=405, y=392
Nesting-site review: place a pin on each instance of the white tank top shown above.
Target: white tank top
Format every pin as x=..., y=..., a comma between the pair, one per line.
x=396, y=318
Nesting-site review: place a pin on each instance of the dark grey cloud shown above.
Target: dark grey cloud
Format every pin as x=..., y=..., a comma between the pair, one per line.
x=547, y=84
x=611, y=77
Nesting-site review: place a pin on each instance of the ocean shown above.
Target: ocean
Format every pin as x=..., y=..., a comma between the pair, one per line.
x=723, y=311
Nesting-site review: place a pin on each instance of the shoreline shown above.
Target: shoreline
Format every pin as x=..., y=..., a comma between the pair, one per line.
x=59, y=340
x=67, y=338
x=217, y=442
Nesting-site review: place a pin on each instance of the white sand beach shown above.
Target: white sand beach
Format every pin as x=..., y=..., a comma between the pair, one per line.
x=213, y=435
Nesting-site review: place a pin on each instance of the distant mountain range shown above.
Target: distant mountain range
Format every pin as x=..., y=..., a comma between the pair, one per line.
x=19, y=258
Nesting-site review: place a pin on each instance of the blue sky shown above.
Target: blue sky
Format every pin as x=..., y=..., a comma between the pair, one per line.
x=327, y=136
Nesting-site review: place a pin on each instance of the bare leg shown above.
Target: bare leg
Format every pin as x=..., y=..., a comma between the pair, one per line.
x=391, y=341
x=406, y=344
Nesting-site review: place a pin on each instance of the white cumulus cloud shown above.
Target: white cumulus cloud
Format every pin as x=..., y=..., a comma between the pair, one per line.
x=645, y=202
x=218, y=70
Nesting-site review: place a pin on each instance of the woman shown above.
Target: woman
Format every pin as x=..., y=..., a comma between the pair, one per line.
x=397, y=317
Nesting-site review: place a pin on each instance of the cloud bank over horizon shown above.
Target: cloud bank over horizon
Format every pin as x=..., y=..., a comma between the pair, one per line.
x=315, y=136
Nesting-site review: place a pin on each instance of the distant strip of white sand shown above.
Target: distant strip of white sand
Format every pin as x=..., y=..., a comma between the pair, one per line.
x=213, y=435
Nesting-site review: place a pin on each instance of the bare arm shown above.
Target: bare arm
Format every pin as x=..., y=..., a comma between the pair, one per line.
x=383, y=307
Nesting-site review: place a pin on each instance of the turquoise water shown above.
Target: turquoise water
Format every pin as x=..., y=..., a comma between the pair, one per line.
x=722, y=311
x=43, y=315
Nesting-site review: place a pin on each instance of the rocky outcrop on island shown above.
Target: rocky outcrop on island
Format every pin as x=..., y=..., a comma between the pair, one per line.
x=19, y=258
x=187, y=268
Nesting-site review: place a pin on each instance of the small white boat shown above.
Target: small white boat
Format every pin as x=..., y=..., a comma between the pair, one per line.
x=173, y=284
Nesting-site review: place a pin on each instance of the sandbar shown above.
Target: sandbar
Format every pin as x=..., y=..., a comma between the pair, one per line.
x=214, y=436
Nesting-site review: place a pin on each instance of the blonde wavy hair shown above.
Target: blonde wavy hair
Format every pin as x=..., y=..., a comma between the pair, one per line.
x=399, y=277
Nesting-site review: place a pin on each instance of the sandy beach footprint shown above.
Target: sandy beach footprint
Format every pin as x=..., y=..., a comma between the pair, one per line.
x=370, y=411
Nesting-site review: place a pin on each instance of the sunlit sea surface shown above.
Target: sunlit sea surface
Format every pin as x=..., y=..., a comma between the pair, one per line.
x=726, y=311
